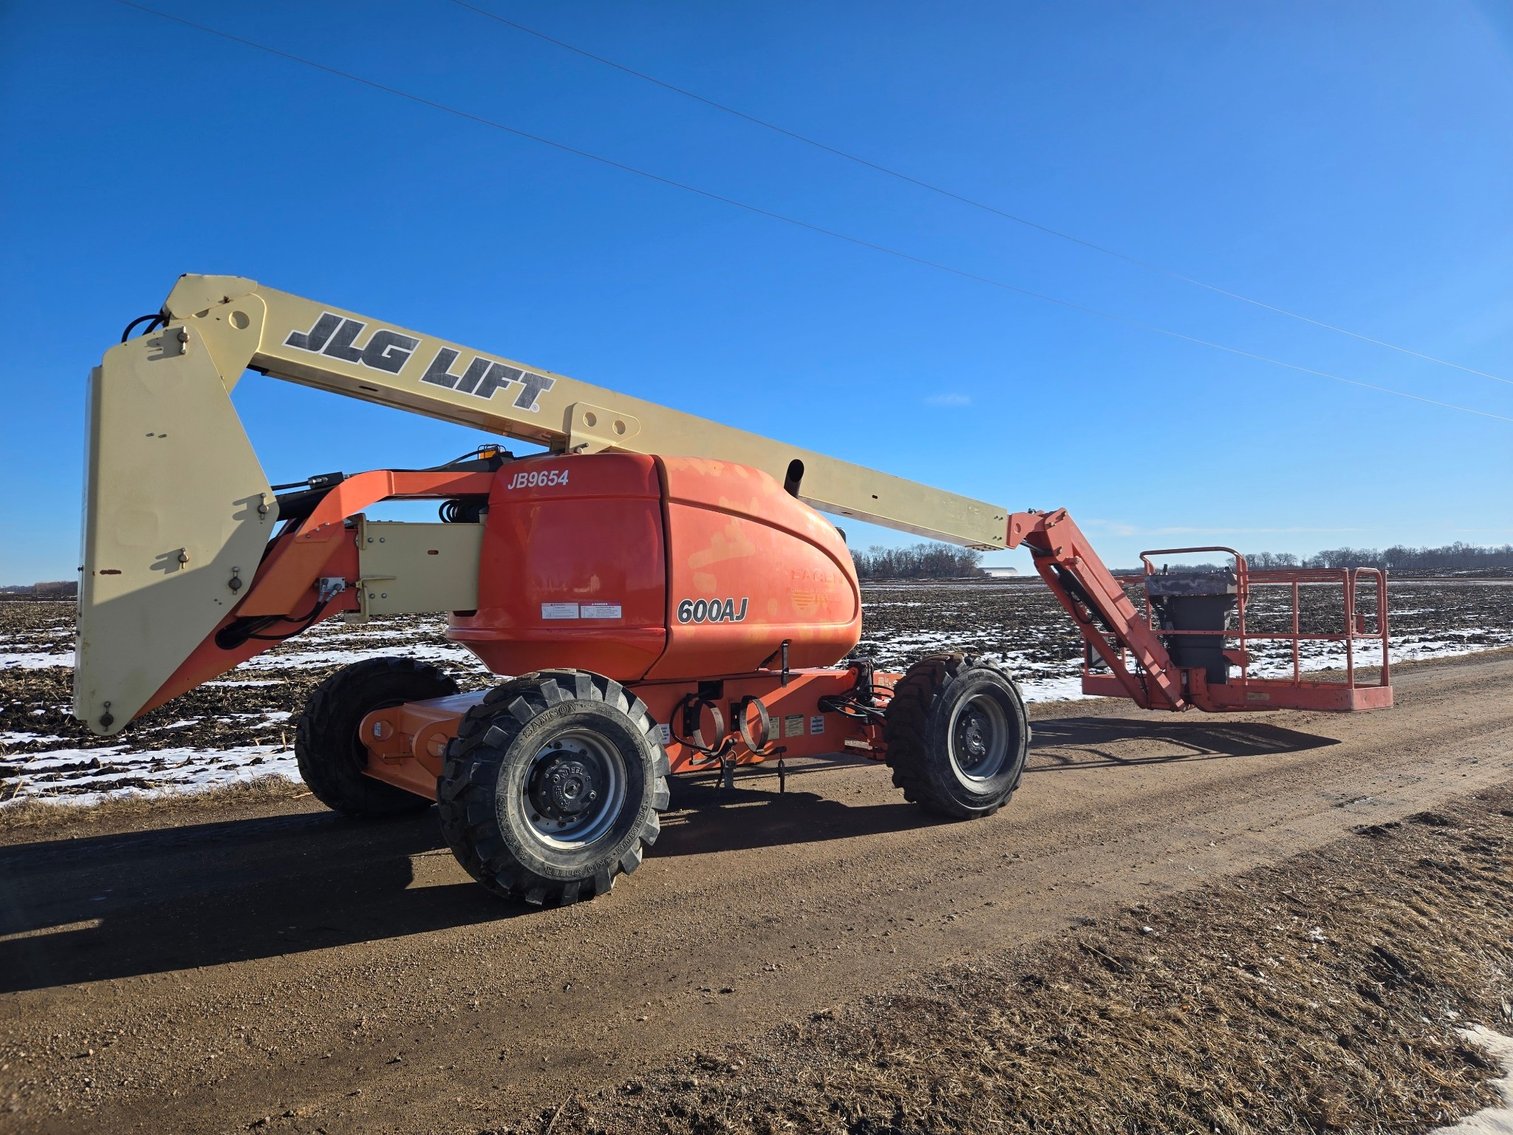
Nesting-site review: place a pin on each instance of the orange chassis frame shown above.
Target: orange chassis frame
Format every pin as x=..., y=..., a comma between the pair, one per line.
x=748, y=718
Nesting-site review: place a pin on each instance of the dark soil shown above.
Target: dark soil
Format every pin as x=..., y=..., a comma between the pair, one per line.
x=1018, y=620
x=1021, y=620
x=232, y=711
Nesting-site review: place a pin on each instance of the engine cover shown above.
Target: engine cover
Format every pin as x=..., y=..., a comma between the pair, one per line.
x=640, y=567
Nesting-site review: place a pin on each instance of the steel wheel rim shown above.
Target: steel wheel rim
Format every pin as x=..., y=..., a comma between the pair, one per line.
x=980, y=738
x=574, y=789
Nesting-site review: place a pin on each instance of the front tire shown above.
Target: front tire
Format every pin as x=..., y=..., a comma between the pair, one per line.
x=553, y=787
x=332, y=758
x=957, y=736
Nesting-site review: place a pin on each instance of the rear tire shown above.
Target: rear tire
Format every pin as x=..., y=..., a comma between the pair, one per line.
x=957, y=736
x=553, y=787
x=332, y=758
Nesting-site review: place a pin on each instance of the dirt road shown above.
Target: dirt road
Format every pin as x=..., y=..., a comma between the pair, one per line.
x=207, y=974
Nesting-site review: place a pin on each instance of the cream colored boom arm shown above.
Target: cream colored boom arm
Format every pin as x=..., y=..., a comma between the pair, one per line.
x=178, y=509
x=317, y=345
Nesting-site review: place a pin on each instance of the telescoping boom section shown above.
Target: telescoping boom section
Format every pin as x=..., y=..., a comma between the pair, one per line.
x=657, y=592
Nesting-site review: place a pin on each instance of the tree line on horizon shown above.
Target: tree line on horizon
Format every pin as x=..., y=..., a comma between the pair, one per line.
x=1458, y=556
x=51, y=589
x=942, y=561
x=918, y=561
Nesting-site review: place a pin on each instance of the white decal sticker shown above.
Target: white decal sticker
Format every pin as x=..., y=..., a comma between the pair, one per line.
x=559, y=610
x=817, y=723
x=600, y=610
x=539, y=479
x=665, y=733
x=793, y=725
x=713, y=610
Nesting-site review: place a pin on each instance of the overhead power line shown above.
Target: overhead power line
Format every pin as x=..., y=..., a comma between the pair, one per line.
x=888, y=171
x=809, y=226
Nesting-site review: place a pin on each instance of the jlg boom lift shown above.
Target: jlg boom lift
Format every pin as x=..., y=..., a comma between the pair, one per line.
x=659, y=591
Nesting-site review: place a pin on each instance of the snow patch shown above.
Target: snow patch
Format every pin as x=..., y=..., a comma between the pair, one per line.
x=31, y=661
x=88, y=776
x=1490, y=1120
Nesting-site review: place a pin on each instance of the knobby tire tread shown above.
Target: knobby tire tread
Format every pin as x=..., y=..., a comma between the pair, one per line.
x=906, y=733
x=469, y=777
x=325, y=733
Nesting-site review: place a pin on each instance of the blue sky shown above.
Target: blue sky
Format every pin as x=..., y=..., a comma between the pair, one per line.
x=1348, y=161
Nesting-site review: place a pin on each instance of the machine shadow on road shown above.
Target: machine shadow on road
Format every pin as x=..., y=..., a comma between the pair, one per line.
x=174, y=898
x=753, y=814
x=1083, y=743
x=706, y=818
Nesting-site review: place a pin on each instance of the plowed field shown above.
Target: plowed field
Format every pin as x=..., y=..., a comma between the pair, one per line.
x=239, y=727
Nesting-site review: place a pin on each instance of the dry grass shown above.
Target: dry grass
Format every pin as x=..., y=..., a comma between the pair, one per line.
x=1316, y=995
x=63, y=819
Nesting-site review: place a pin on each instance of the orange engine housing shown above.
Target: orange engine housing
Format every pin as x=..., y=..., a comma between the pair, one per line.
x=656, y=568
